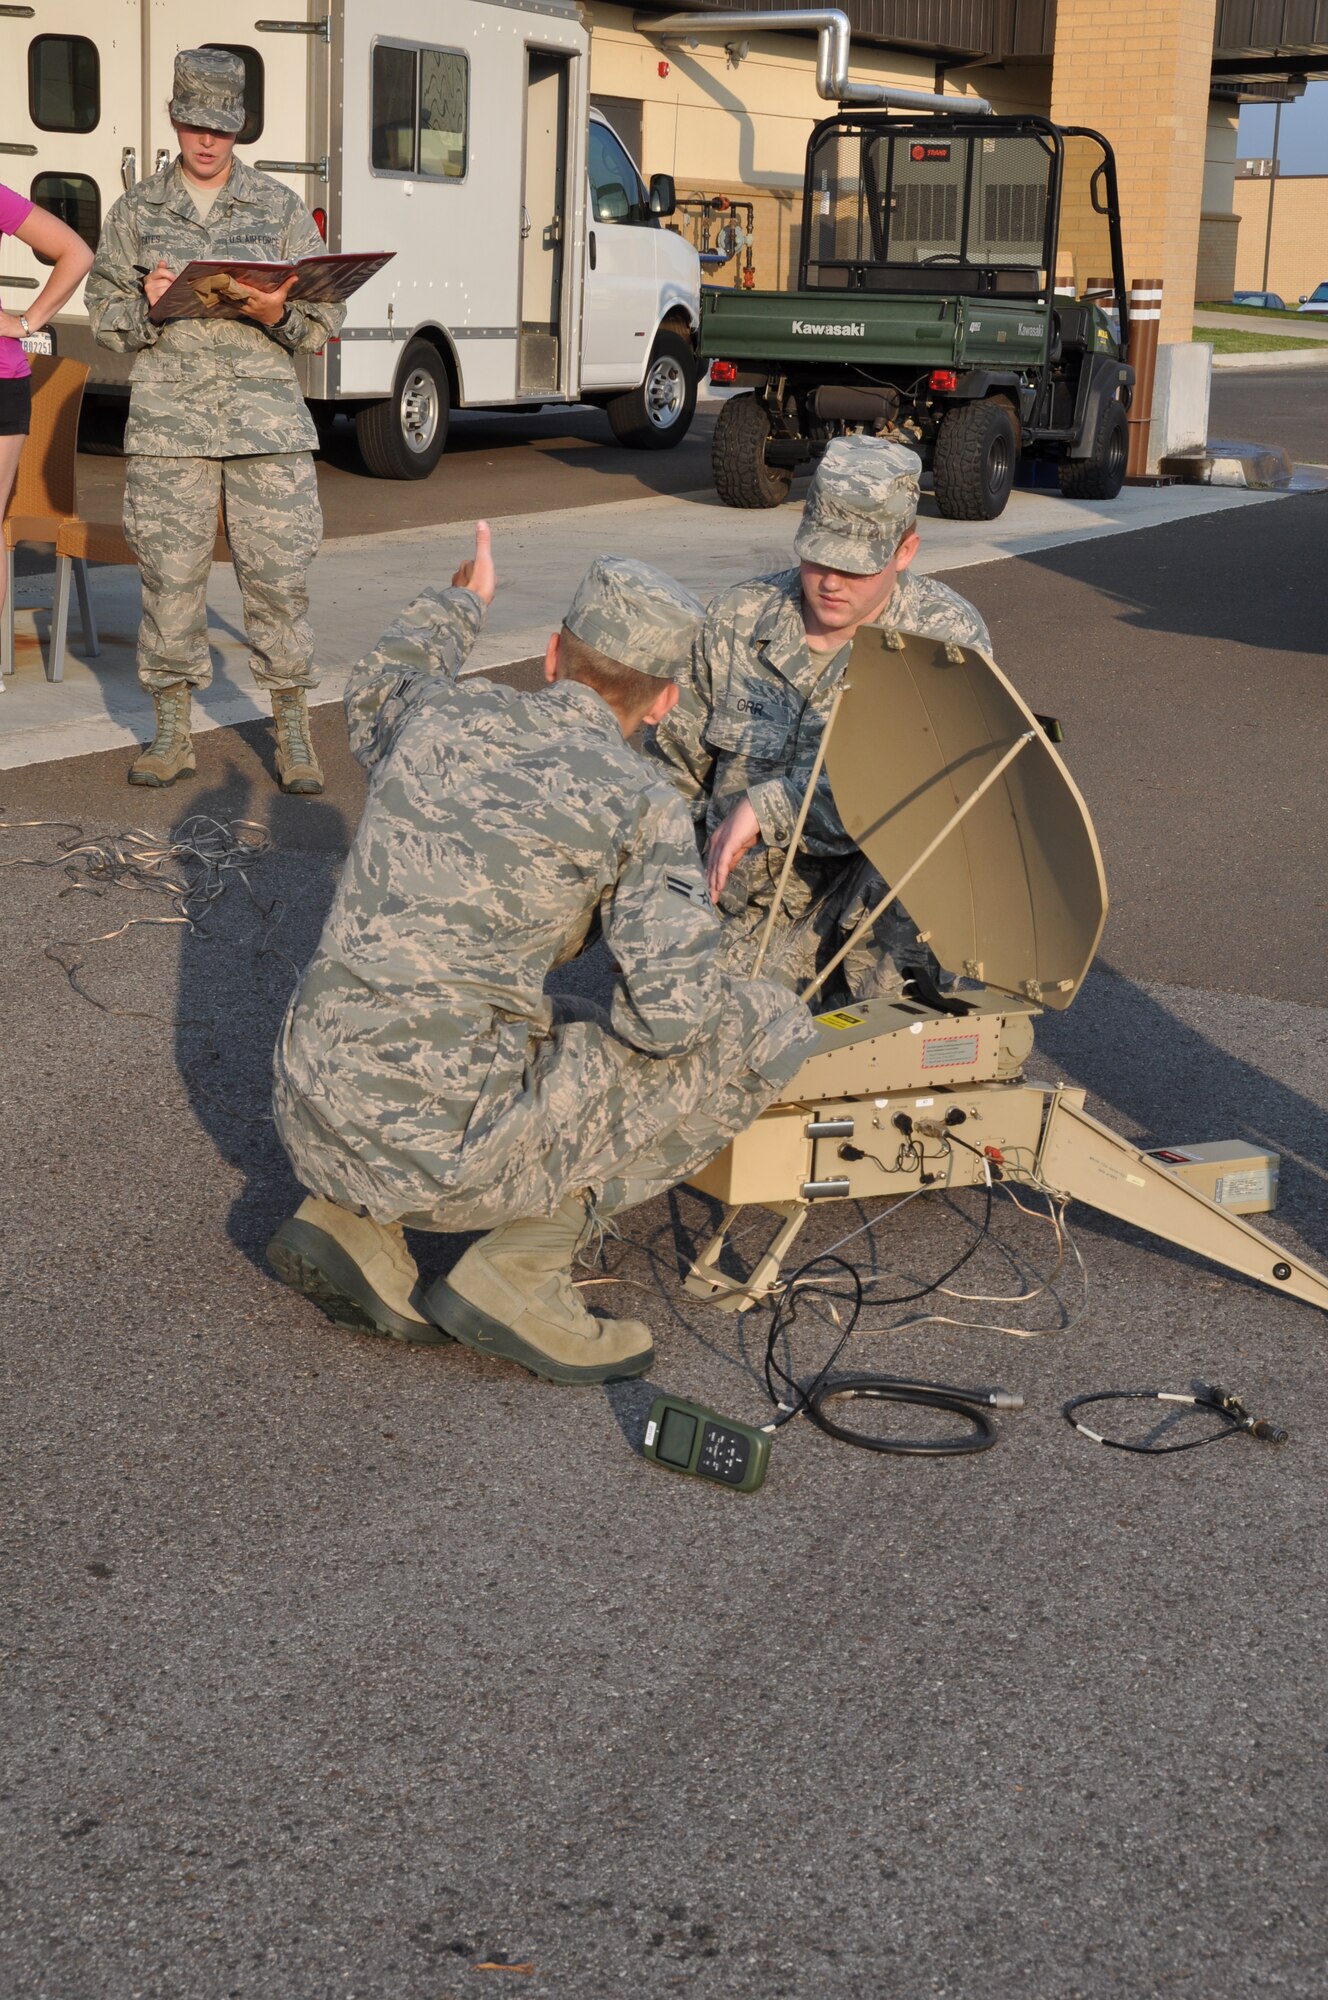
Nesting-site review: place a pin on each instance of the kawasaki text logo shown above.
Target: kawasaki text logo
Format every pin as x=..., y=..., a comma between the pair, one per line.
x=1034, y=331
x=849, y=326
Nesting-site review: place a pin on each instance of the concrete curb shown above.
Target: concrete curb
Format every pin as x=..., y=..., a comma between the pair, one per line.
x=1285, y=357
x=1237, y=462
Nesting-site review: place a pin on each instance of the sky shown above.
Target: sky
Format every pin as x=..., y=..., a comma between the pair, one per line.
x=1302, y=146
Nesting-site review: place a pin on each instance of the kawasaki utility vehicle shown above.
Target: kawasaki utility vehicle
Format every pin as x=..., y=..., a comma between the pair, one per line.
x=960, y=289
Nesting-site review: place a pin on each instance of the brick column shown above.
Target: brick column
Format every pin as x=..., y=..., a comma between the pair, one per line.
x=1139, y=73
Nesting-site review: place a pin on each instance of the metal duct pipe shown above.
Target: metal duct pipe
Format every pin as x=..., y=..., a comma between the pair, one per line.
x=832, y=52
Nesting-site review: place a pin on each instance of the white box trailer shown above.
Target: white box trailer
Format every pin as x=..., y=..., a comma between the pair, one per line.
x=531, y=266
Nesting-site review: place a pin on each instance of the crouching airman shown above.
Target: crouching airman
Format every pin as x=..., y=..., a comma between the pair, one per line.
x=423, y=1077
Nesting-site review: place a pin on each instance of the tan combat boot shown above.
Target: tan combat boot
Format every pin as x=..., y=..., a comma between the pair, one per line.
x=298, y=767
x=512, y=1294
x=170, y=755
x=358, y=1270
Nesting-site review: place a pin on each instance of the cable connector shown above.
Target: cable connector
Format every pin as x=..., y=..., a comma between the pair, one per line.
x=1212, y=1396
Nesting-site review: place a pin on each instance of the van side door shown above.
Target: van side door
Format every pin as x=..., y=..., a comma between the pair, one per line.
x=621, y=285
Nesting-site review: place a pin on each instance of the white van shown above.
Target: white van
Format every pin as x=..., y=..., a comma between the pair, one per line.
x=530, y=267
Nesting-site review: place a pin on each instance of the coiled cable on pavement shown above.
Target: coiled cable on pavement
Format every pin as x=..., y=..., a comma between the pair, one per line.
x=189, y=870
x=1204, y=1396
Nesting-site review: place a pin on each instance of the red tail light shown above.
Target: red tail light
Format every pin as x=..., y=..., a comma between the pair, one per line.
x=723, y=374
x=320, y=222
x=943, y=378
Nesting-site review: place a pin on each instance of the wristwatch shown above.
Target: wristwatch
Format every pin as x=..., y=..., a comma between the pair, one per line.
x=23, y=322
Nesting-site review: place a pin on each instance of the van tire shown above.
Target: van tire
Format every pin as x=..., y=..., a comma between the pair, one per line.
x=973, y=467
x=658, y=414
x=1101, y=476
x=403, y=436
x=737, y=457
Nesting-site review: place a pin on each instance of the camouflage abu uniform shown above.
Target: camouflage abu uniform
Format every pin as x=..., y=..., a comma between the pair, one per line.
x=751, y=721
x=216, y=412
x=421, y=1072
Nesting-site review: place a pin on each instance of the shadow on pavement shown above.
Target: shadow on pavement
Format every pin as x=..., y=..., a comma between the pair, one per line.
x=237, y=971
x=1161, y=1080
x=1250, y=577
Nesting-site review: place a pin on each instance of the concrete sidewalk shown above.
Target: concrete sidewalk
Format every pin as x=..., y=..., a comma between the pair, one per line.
x=358, y=584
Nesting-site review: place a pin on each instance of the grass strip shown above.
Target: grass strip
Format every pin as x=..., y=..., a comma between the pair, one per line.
x=1233, y=340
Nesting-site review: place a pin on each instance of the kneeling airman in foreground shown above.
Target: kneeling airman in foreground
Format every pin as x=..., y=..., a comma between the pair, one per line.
x=423, y=1077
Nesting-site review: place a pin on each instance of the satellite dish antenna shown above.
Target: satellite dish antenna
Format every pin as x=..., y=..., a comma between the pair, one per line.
x=950, y=786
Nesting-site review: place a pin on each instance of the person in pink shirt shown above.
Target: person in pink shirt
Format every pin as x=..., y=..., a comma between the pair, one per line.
x=72, y=260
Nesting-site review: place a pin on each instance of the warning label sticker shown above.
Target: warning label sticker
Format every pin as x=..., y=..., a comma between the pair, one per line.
x=949, y=1051
x=841, y=1019
x=1255, y=1184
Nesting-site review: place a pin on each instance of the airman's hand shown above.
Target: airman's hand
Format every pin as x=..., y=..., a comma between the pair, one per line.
x=477, y=572
x=732, y=838
x=267, y=307
x=157, y=282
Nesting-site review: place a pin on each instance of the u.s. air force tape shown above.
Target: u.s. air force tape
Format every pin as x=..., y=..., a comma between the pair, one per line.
x=695, y=892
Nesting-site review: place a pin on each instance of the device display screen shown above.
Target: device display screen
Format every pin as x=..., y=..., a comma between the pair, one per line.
x=677, y=1435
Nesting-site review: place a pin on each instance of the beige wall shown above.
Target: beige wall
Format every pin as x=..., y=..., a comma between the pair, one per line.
x=1140, y=74
x=1298, y=259
x=743, y=131
x=1219, y=224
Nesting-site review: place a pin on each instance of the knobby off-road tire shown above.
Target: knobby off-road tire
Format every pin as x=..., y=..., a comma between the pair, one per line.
x=737, y=457
x=403, y=436
x=973, y=469
x=659, y=414
x=1101, y=476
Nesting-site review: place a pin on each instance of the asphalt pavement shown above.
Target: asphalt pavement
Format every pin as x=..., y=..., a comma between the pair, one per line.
x=496, y=465
x=1286, y=406
x=336, y=1668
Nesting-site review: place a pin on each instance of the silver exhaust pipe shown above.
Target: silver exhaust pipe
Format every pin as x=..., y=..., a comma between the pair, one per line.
x=832, y=53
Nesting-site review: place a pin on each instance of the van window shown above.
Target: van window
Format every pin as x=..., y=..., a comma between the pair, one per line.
x=392, y=116
x=64, y=83
x=616, y=193
x=442, y=113
x=419, y=111
x=252, y=127
x=75, y=199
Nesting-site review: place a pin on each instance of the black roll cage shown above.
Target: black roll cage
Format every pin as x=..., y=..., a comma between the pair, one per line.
x=1103, y=192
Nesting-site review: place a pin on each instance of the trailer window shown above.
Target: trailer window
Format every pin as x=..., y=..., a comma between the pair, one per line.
x=393, y=109
x=64, y=83
x=75, y=199
x=418, y=111
x=254, y=92
x=442, y=114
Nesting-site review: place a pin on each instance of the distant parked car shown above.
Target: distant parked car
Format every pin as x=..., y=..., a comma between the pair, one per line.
x=1317, y=302
x=1270, y=300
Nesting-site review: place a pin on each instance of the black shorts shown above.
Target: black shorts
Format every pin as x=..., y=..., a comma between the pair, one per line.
x=16, y=407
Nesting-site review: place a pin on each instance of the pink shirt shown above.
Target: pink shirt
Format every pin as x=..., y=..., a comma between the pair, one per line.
x=14, y=212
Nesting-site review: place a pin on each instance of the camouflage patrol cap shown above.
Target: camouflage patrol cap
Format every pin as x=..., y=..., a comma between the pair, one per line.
x=635, y=614
x=861, y=503
x=209, y=90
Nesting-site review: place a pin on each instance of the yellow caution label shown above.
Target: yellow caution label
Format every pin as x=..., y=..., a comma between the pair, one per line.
x=841, y=1019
